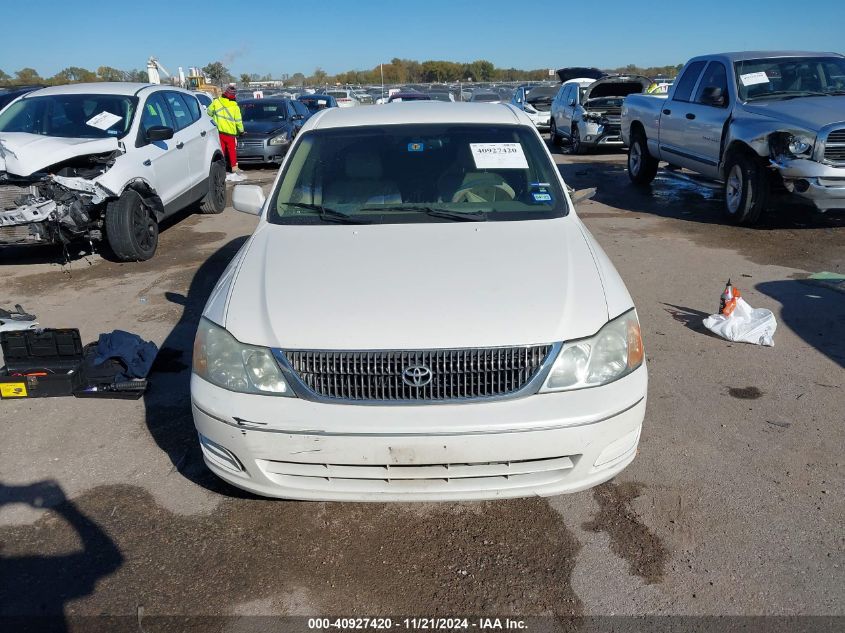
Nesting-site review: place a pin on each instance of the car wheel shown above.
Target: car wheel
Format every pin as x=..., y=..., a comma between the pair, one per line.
x=642, y=166
x=746, y=189
x=131, y=228
x=575, y=139
x=215, y=200
x=554, y=138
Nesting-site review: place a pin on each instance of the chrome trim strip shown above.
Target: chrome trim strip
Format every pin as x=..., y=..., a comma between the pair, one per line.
x=247, y=425
x=303, y=391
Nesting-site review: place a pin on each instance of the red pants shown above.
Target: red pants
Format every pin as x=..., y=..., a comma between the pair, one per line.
x=230, y=149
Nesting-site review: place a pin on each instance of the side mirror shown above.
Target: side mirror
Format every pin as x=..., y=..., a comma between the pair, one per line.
x=297, y=117
x=713, y=96
x=248, y=199
x=572, y=103
x=159, y=133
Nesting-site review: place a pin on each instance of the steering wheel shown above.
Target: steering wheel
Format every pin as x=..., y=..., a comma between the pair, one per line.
x=485, y=193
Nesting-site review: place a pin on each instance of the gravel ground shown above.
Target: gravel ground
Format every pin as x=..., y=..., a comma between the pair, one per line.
x=734, y=505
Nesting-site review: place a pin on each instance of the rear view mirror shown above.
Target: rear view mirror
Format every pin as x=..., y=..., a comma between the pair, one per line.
x=248, y=199
x=159, y=133
x=713, y=96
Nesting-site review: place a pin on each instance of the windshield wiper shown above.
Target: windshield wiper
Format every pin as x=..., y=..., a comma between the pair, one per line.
x=460, y=216
x=327, y=214
x=788, y=94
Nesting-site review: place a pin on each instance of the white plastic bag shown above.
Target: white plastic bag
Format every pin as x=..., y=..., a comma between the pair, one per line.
x=744, y=325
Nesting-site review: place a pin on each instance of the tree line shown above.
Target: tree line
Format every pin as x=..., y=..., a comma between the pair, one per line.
x=397, y=71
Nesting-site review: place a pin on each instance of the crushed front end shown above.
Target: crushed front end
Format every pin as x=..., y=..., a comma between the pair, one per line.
x=54, y=206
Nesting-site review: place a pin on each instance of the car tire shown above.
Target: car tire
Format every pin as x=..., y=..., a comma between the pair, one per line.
x=642, y=166
x=746, y=189
x=578, y=147
x=554, y=137
x=215, y=200
x=131, y=228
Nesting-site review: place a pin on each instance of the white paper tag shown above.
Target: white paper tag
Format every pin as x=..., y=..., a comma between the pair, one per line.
x=498, y=156
x=103, y=121
x=752, y=79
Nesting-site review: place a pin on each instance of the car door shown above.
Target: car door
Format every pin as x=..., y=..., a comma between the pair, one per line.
x=186, y=116
x=164, y=164
x=568, y=113
x=707, y=114
x=557, y=105
x=674, y=132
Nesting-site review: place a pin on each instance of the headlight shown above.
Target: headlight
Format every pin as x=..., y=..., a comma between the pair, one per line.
x=222, y=360
x=592, y=116
x=530, y=108
x=794, y=145
x=281, y=139
x=799, y=145
x=615, y=351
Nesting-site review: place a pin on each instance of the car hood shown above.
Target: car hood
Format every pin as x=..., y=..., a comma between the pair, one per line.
x=617, y=87
x=809, y=113
x=264, y=128
x=414, y=286
x=23, y=154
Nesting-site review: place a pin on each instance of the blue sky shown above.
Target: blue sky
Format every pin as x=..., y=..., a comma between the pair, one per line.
x=285, y=36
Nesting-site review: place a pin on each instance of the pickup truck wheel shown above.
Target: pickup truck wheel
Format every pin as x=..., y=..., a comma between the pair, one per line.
x=642, y=166
x=554, y=137
x=746, y=190
x=131, y=228
x=215, y=200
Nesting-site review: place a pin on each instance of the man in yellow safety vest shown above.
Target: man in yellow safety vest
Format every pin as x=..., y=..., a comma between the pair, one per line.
x=226, y=115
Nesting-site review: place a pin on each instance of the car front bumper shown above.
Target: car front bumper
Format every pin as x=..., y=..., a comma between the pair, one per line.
x=823, y=185
x=543, y=444
x=541, y=121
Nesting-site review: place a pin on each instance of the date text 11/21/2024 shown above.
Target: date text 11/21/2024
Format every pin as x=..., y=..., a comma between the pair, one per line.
x=418, y=624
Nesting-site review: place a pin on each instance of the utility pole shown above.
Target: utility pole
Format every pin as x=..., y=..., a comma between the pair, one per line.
x=381, y=68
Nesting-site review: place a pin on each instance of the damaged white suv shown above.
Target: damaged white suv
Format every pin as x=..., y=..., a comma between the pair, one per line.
x=105, y=161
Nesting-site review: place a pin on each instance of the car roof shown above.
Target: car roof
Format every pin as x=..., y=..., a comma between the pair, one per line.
x=126, y=88
x=429, y=111
x=739, y=56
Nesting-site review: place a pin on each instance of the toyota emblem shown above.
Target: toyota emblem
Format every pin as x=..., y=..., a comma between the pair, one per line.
x=417, y=376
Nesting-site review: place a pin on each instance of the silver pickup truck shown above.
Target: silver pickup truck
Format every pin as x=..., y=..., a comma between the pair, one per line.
x=754, y=120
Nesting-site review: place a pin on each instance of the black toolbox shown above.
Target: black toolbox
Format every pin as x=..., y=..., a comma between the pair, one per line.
x=40, y=363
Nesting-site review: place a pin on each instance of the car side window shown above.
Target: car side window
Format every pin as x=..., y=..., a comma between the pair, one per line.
x=155, y=113
x=716, y=76
x=181, y=114
x=686, y=83
x=193, y=106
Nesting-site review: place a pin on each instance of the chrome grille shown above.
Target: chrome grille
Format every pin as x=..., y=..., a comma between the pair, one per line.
x=456, y=374
x=834, y=147
x=251, y=142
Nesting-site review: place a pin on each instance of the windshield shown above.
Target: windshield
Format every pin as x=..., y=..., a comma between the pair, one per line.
x=315, y=103
x=70, y=116
x=338, y=94
x=787, y=77
x=541, y=94
x=418, y=173
x=258, y=111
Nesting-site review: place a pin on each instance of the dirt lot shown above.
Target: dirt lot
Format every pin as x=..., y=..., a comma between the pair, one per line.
x=734, y=505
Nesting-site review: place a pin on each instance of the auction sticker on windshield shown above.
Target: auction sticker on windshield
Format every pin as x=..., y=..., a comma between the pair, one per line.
x=752, y=79
x=103, y=121
x=498, y=156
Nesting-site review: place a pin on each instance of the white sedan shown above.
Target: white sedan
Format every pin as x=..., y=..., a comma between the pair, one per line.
x=419, y=315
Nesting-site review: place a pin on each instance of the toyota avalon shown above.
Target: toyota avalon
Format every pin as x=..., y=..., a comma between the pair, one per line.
x=419, y=315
